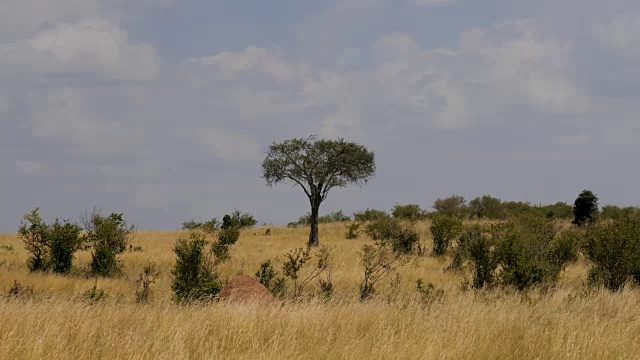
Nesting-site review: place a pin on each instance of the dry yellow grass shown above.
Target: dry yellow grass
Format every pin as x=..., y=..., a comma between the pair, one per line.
x=55, y=323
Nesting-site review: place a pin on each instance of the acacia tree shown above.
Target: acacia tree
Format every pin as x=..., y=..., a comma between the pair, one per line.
x=317, y=166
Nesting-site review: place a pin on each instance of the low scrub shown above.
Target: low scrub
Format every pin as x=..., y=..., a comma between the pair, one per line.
x=614, y=249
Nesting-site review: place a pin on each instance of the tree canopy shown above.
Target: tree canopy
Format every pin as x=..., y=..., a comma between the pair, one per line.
x=318, y=166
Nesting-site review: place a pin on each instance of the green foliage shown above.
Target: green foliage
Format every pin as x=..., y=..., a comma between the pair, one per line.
x=226, y=237
x=195, y=278
x=317, y=166
x=454, y=206
x=145, y=279
x=614, y=249
x=429, y=294
x=296, y=260
x=109, y=236
x=104, y=261
x=585, y=208
x=481, y=251
x=210, y=226
x=401, y=235
x=613, y=212
x=408, y=212
x=50, y=246
x=486, y=207
x=444, y=230
x=352, y=231
x=559, y=210
x=33, y=232
x=379, y=261
x=65, y=241
x=238, y=220
x=268, y=277
x=369, y=215
x=305, y=220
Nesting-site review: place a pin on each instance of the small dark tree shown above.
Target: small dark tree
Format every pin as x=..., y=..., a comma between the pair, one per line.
x=408, y=212
x=585, y=208
x=318, y=166
x=486, y=207
x=109, y=236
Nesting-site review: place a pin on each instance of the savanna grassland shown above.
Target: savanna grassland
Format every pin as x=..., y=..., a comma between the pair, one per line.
x=54, y=320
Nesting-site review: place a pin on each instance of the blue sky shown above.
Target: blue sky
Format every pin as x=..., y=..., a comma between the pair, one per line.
x=162, y=109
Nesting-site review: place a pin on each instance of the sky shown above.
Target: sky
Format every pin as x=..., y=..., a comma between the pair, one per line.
x=164, y=109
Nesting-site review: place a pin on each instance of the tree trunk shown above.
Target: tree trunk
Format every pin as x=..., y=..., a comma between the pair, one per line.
x=313, y=234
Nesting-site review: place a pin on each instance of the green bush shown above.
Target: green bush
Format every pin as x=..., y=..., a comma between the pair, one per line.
x=614, y=249
x=444, y=230
x=50, y=246
x=238, y=220
x=369, y=215
x=408, y=212
x=486, y=207
x=402, y=237
x=613, y=212
x=194, y=276
x=352, y=231
x=268, y=277
x=305, y=220
x=559, y=210
x=454, y=206
x=481, y=252
x=109, y=236
x=226, y=237
x=379, y=261
x=585, y=208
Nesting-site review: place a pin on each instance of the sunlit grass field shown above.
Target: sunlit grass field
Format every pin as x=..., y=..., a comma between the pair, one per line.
x=55, y=322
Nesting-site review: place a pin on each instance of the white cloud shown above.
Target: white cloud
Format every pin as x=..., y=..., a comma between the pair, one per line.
x=622, y=33
x=88, y=47
x=230, y=146
x=65, y=115
x=21, y=17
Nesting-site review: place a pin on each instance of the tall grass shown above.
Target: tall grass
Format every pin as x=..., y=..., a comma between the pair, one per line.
x=55, y=323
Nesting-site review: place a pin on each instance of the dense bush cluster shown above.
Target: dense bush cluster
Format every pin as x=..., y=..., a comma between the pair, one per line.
x=305, y=220
x=524, y=247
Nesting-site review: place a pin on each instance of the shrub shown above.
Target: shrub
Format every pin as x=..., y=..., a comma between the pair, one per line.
x=33, y=232
x=428, y=292
x=268, y=277
x=145, y=279
x=613, y=212
x=444, y=229
x=408, y=212
x=486, y=207
x=481, y=252
x=402, y=237
x=585, y=208
x=352, y=231
x=530, y=253
x=238, y=220
x=305, y=220
x=454, y=206
x=109, y=236
x=226, y=238
x=195, y=278
x=369, y=215
x=559, y=210
x=379, y=261
x=296, y=260
x=614, y=249
x=50, y=246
